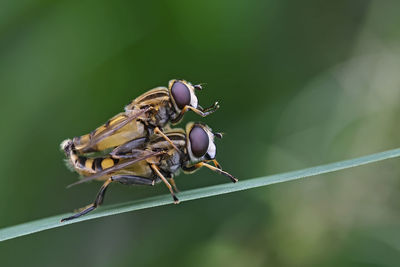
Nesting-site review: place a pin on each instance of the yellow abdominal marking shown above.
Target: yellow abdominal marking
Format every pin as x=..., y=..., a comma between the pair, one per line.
x=88, y=164
x=107, y=163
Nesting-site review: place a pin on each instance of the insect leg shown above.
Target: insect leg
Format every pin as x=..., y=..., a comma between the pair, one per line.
x=159, y=174
x=123, y=179
x=202, y=164
x=200, y=111
x=84, y=211
x=129, y=147
x=158, y=131
x=172, y=181
x=98, y=201
x=217, y=164
x=132, y=179
x=211, y=108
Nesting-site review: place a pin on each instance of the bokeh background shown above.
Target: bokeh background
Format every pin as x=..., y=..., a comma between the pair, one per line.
x=300, y=83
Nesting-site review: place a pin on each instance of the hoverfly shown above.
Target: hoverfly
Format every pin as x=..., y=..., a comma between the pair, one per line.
x=146, y=162
x=149, y=113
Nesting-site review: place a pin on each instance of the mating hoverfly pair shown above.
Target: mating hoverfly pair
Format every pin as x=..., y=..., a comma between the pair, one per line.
x=138, y=146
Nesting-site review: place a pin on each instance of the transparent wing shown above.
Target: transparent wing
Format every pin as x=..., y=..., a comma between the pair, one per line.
x=146, y=154
x=112, y=128
x=128, y=147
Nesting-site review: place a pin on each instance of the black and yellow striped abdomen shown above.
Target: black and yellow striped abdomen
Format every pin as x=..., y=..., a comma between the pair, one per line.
x=86, y=165
x=94, y=165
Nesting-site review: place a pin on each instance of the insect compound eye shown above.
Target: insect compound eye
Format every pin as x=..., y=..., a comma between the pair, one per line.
x=181, y=94
x=199, y=141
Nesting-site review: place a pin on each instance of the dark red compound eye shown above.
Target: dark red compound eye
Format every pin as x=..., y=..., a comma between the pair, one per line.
x=198, y=141
x=181, y=94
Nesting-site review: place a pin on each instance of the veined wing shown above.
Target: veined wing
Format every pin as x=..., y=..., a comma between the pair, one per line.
x=112, y=126
x=146, y=154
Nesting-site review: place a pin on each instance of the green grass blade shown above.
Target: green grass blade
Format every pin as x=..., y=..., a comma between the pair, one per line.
x=53, y=222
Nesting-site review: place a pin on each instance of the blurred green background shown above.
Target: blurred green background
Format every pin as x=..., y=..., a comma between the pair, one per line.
x=300, y=83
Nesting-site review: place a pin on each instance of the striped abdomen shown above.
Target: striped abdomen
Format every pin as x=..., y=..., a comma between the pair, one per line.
x=86, y=165
x=94, y=165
